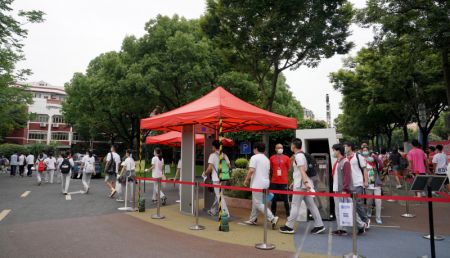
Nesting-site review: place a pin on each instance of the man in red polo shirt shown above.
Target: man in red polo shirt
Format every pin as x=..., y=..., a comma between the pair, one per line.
x=279, y=168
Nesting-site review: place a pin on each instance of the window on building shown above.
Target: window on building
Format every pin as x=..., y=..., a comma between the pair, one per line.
x=37, y=135
x=57, y=119
x=75, y=137
x=41, y=118
x=60, y=136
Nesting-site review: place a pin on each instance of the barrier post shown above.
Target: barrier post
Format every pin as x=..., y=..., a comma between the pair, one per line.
x=196, y=226
x=265, y=245
x=407, y=214
x=126, y=208
x=158, y=205
x=354, y=253
x=145, y=175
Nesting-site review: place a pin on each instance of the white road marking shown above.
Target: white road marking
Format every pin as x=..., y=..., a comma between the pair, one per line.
x=25, y=194
x=76, y=192
x=3, y=214
x=299, y=250
x=381, y=226
x=68, y=197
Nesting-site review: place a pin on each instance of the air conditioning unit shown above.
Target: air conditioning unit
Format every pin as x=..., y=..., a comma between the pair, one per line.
x=43, y=124
x=55, y=125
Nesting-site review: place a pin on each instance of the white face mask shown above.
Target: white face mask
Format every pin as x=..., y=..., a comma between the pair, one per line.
x=280, y=151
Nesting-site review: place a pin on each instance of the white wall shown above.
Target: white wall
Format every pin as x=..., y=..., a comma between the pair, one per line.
x=318, y=134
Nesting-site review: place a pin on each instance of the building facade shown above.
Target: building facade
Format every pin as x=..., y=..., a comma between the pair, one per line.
x=47, y=123
x=308, y=114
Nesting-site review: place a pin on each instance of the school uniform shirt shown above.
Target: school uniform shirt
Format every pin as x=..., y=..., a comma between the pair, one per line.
x=50, y=163
x=89, y=164
x=357, y=174
x=30, y=159
x=440, y=159
x=279, y=166
x=214, y=161
x=116, y=158
x=14, y=161
x=21, y=160
x=157, y=171
x=129, y=164
x=300, y=160
x=260, y=178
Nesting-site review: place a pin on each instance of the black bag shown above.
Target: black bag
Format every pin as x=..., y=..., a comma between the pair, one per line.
x=65, y=166
x=111, y=165
x=403, y=163
x=311, y=168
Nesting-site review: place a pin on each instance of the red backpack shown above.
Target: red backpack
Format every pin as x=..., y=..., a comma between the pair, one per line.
x=41, y=166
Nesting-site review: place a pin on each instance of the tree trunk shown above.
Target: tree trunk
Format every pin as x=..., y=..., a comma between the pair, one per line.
x=425, y=134
x=446, y=71
x=271, y=98
x=389, y=139
x=405, y=133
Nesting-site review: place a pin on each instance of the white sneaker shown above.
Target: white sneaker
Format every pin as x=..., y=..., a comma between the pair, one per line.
x=178, y=201
x=250, y=222
x=274, y=222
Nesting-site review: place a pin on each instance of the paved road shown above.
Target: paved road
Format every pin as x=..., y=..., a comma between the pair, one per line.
x=45, y=224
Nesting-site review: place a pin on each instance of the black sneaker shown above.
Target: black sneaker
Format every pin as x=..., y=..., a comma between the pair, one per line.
x=318, y=230
x=339, y=233
x=361, y=231
x=286, y=230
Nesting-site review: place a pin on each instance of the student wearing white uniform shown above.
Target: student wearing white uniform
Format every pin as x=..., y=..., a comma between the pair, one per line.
x=50, y=163
x=59, y=161
x=88, y=170
x=21, y=164
x=111, y=170
x=65, y=177
x=213, y=168
x=375, y=184
x=157, y=172
x=440, y=163
x=304, y=184
x=258, y=176
x=30, y=164
x=128, y=171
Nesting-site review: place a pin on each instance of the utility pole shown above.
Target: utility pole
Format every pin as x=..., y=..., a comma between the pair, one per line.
x=328, y=111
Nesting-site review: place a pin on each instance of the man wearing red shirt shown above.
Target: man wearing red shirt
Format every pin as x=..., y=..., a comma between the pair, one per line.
x=279, y=168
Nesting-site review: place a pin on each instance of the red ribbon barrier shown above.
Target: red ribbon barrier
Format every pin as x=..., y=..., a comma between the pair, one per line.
x=444, y=199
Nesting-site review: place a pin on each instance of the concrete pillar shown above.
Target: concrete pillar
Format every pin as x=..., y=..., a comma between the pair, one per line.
x=49, y=131
x=208, y=197
x=187, y=168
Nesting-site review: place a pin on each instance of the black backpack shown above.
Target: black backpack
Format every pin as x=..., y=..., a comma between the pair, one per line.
x=311, y=168
x=111, y=166
x=65, y=166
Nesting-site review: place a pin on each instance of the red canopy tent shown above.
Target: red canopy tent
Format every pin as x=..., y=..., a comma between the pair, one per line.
x=173, y=139
x=236, y=114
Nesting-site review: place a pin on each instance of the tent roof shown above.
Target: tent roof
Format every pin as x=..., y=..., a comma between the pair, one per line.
x=236, y=114
x=173, y=139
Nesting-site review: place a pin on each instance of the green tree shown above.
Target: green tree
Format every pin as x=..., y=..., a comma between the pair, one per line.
x=440, y=129
x=264, y=38
x=13, y=98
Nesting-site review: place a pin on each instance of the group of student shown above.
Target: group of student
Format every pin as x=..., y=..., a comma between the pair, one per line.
x=18, y=162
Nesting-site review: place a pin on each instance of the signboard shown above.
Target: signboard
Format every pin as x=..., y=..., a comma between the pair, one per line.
x=245, y=148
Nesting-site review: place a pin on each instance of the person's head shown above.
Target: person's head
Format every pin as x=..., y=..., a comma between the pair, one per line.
x=41, y=155
x=50, y=154
x=64, y=155
x=432, y=148
x=338, y=150
x=296, y=145
x=395, y=150
x=383, y=150
x=364, y=145
x=259, y=147
x=129, y=153
x=402, y=149
x=349, y=147
x=89, y=153
x=439, y=148
x=216, y=145
x=158, y=153
x=279, y=148
x=365, y=152
x=415, y=143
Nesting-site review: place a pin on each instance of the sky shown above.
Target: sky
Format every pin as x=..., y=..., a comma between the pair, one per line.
x=76, y=31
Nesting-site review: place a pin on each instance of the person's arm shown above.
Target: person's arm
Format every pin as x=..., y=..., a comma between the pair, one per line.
x=305, y=178
x=209, y=169
x=347, y=169
x=434, y=161
x=249, y=175
x=427, y=168
x=177, y=174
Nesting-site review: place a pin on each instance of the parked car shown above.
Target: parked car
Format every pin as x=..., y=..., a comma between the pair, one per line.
x=77, y=166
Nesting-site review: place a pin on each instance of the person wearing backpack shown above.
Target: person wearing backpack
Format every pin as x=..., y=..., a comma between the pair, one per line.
x=66, y=172
x=59, y=160
x=213, y=168
x=50, y=164
x=360, y=180
x=40, y=167
x=303, y=183
x=14, y=163
x=157, y=173
x=111, y=169
x=88, y=168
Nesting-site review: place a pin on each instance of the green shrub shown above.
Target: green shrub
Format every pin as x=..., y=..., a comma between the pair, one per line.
x=9, y=149
x=241, y=163
x=37, y=148
x=237, y=179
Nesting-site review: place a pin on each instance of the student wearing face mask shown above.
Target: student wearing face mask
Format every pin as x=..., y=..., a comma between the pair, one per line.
x=279, y=168
x=375, y=183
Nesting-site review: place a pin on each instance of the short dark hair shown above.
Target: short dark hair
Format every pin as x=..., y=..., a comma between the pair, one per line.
x=261, y=147
x=216, y=144
x=130, y=152
x=297, y=143
x=432, y=148
x=383, y=150
x=401, y=148
x=351, y=145
x=339, y=147
x=439, y=147
x=415, y=143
